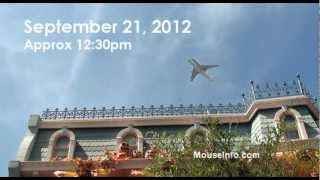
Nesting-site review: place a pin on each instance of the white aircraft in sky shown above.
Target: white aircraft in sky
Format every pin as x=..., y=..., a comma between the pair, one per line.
x=202, y=69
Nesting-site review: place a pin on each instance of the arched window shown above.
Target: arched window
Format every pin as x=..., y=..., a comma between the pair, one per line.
x=132, y=137
x=198, y=137
x=61, y=148
x=62, y=144
x=292, y=123
x=290, y=127
x=131, y=140
x=197, y=133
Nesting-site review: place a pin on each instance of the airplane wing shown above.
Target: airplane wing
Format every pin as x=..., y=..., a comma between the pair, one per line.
x=194, y=74
x=207, y=76
x=205, y=67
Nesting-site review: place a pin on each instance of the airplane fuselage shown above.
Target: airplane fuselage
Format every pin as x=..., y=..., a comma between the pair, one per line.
x=196, y=66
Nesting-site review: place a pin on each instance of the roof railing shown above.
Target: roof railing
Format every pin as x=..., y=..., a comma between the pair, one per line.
x=257, y=91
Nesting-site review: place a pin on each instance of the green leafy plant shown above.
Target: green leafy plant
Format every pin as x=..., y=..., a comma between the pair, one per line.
x=277, y=156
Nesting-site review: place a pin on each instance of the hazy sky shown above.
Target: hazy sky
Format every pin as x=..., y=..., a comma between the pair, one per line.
x=264, y=43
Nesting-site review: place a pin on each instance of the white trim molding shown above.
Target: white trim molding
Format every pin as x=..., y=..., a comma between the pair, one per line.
x=298, y=118
x=64, y=132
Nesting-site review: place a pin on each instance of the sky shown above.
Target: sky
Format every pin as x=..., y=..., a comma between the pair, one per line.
x=259, y=42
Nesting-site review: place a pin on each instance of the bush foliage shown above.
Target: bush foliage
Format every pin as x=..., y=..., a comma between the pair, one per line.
x=277, y=156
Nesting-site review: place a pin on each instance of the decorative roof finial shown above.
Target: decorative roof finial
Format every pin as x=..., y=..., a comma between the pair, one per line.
x=252, y=89
x=300, y=84
x=243, y=98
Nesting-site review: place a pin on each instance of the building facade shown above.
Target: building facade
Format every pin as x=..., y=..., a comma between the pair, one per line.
x=88, y=133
